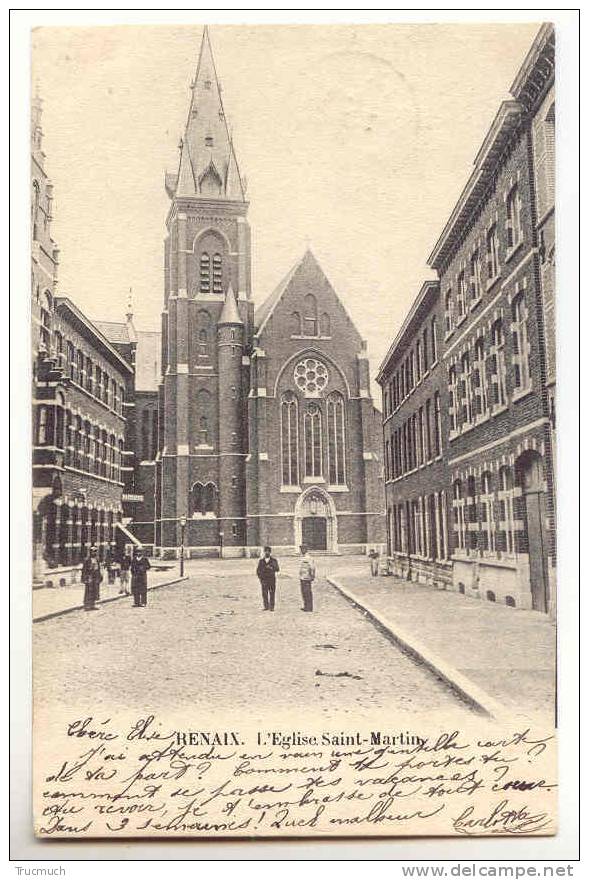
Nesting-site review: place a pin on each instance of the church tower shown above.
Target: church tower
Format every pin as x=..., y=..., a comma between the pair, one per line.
x=207, y=324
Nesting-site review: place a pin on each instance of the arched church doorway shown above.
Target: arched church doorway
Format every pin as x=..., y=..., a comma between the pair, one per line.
x=315, y=521
x=530, y=471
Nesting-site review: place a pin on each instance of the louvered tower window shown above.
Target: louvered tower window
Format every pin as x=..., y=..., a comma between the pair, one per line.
x=217, y=273
x=205, y=273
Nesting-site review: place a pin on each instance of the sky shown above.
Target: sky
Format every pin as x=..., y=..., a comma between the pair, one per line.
x=355, y=140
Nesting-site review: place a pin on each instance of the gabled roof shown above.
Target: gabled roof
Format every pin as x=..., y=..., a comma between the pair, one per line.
x=91, y=331
x=267, y=307
x=206, y=149
x=115, y=331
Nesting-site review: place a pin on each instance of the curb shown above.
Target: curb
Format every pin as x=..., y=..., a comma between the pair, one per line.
x=105, y=601
x=463, y=686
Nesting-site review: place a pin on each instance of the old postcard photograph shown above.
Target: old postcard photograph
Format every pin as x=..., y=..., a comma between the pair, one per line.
x=294, y=492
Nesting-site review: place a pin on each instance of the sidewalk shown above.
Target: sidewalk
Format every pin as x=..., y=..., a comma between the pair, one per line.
x=508, y=654
x=53, y=601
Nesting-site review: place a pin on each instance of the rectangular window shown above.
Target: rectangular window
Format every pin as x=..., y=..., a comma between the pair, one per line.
x=475, y=276
x=428, y=432
x=437, y=425
x=513, y=226
x=492, y=253
x=461, y=297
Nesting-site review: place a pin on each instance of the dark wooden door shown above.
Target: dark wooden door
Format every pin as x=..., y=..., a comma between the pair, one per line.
x=315, y=532
x=537, y=551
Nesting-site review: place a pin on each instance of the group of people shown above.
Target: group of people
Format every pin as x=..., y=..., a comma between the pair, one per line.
x=267, y=570
x=135, y=566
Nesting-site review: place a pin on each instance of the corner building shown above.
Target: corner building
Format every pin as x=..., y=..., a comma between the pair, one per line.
x=498, y=351
x=267, y=431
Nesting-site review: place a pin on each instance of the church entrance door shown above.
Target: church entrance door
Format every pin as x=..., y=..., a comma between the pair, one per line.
x=314, y=532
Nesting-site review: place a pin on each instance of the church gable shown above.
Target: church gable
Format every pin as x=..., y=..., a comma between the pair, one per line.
x=305, y=309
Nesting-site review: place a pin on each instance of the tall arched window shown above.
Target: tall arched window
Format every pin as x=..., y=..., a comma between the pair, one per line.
x=313, y=442
x=479, y=378
x=196, y=498
x=210, y=498
x=459, y=523
x=449, y=311
x=289, y=435
x=60, y=438
x=498, y=363
x=325, y=324
x=505, y=537
x=471, y=514
x=521, y=365
x=205, y=273
x=296, y=328
x=310, y=327
x=487, y=513
x=45, y=329
x=336, y=439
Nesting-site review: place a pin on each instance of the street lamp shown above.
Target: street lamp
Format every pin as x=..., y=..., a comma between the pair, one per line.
x=182, y=530
x=220, y=545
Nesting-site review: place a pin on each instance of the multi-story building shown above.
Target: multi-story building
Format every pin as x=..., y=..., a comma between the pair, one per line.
x=142, y=351
x=79, y=440
x=413, y=380
x=496, y=296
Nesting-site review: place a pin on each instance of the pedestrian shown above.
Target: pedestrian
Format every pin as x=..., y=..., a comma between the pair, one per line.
x=109, y=565
x=124, y=575
x=139, y=568
x=266, y=571
x=374, y=557
x=307, y=573
x=91, y=578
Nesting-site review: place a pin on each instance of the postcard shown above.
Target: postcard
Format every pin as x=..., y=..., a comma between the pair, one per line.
x=293, y=397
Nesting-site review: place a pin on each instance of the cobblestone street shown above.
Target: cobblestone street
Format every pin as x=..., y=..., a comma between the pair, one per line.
x=206, y=643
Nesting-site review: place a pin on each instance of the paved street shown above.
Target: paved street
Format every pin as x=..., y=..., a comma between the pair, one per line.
x=206, y=642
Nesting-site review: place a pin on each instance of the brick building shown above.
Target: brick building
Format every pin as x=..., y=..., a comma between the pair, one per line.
x=79, y=383
x=142, y=351
x=413, y=379
x=496, y=298
x=79, y=440
x=267, y=430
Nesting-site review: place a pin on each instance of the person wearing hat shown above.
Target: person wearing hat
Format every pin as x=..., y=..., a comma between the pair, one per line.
x=266, y=571
x=139, y=568
x=91, y=578
x=307, y=572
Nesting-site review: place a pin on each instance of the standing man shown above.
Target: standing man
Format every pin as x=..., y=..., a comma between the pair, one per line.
x=266, y=571
x=374, y=561
x=91, y=578
x=125, y=566
x=139, y=569
x=307, y=573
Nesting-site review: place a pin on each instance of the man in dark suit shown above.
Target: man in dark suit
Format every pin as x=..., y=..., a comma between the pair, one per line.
x=266, y=571
x=139, y=569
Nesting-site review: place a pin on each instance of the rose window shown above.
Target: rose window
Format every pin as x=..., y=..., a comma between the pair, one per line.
x=311, y=377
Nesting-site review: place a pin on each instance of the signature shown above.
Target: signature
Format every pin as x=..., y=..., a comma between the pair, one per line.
x=502, y=819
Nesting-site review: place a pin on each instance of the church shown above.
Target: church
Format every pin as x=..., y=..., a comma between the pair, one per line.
x=267, y=432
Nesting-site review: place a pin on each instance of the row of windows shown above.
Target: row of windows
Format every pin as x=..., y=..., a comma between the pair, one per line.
x=86, y=446
x=81, y=369
x=467, y=289
x=310, y=323
x=487, y=514
x=421, y=357
x=419, y=527
x=314, y=418
x=478, y=382
x=416, y=442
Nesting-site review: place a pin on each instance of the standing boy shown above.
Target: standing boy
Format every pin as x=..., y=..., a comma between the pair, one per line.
x=307, y=573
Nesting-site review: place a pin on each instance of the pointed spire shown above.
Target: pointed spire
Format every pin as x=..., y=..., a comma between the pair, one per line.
x=129, y=314
x=230, y=312
x=36, y=113
x=207, y=167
